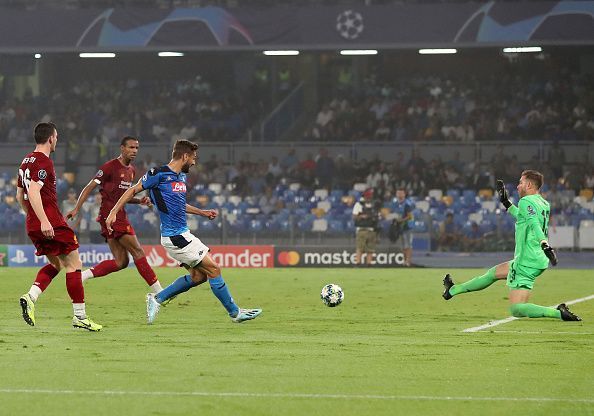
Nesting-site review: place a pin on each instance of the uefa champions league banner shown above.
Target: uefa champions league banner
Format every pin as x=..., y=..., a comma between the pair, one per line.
x=157, y=256
x=334, y=256
x=396, y=25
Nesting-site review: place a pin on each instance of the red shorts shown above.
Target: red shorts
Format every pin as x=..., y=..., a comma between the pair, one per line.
x=64, y=242
x=120, y=228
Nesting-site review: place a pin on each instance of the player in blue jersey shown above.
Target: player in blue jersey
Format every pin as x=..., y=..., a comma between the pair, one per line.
x=167, y=188
x=404, y=209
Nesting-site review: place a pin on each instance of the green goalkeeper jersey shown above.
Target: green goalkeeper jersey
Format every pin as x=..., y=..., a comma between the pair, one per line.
x=532, y=226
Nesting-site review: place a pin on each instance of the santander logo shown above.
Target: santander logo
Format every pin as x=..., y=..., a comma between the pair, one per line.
x=178, y=186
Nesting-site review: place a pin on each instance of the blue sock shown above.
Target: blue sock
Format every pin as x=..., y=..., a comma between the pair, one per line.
x=220, y=290
x=180, y=285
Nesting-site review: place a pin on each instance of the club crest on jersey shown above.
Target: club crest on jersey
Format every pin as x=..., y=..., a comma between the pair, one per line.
x=178, y=187
x=42, y=174
x=531, y=210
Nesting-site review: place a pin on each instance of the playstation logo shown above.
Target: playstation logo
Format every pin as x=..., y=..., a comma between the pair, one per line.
x=20, y=257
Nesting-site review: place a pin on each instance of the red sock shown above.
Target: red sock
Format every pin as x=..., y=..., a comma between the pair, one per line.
x=45, y=276
x=74, y=287
x=145, y=271
x=105, y=267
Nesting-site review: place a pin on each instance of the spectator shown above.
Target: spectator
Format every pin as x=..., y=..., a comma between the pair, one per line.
x=449, y=234
x=403, y=209
x=324, y=169
x=473, y=238
x=556, y=159
x=68, y=205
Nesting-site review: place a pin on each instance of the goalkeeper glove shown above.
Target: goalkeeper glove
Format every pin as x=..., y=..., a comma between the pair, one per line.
x=549, y=252
x=503, y=194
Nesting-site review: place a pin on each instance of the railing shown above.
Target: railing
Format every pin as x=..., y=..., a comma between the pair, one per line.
x=231, y=152
x=284, y=116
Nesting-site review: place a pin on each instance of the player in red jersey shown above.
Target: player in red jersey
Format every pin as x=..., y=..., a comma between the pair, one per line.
x=114, y=178
x=47, y=229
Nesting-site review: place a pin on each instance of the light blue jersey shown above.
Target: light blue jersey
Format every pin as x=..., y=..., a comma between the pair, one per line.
x=402, y=209
x=168, y=193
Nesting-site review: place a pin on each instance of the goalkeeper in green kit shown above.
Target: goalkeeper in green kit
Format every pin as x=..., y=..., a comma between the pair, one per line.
x=531, y=256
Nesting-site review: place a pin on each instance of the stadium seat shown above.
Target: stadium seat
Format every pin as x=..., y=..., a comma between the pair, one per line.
x=489, y=205
x=454, y=193
x=216, y=188
x=336, y=226
x=360, y=187
x=255, y=226
x=320, y=225
x=219, y=200
x=321, y=194
x=318, y=212
x=423, y=205
x=337, y=193
x=485, y=193
x=348, y=200
x=587, y=194
x=325, y=205
x=436, y=194
x=306, y=194
x=206, y=225
x=234, y=199
x=295, y=186
x=419, y=227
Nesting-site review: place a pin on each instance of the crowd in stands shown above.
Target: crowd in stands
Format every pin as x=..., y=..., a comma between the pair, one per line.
x=413, y=108
x=105, y=111
x=464, y=108
x=454, y=199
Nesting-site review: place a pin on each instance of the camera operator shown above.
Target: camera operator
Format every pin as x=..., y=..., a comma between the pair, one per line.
x=366, y=216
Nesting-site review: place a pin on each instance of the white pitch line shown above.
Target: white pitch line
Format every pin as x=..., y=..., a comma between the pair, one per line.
x=512, y=318
x=293, y=395
x=545, y=332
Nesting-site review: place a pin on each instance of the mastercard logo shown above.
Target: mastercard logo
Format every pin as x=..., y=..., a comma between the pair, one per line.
x=288, y=258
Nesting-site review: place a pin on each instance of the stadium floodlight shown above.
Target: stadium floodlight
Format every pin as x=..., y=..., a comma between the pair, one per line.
x=37, y=56
x=523, y=49
x=97, y=55
x=169, y=54
x=358, y=52
x=281, y=53
x=442, y=51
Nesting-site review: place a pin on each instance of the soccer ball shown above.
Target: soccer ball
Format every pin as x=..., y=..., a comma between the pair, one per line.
x=332, y=295
x=349, y=24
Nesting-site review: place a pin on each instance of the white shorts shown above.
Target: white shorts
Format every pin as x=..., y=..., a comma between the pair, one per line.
x=185, y=248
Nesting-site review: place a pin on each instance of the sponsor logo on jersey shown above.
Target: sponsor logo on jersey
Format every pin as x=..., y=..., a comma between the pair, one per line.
x=42, y=174
x=178, y=187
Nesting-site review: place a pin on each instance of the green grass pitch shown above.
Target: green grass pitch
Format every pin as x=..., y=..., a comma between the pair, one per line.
x=394, y=347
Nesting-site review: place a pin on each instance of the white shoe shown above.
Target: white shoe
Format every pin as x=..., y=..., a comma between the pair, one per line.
x=246, y=315
x=152, y=308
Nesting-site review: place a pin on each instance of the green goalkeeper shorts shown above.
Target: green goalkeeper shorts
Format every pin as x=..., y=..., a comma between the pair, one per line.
x=522, y=277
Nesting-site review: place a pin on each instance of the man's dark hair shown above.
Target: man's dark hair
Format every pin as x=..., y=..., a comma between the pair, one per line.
x=535, y=177
x=126, y=139
x=401, y=188
x=43, y=131
x=183, y=147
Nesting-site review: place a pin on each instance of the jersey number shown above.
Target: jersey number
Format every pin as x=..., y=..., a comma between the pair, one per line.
x=545, y=224
x=26, y=179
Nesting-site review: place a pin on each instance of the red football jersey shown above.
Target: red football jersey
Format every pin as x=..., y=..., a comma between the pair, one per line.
x=114, y=179
x=37, y=167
